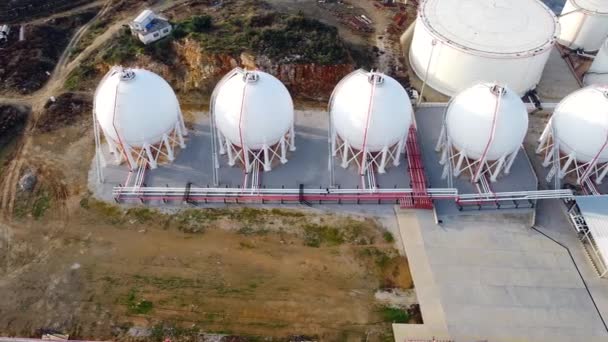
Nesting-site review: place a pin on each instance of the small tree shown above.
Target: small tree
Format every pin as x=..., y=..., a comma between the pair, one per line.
x=201, y=23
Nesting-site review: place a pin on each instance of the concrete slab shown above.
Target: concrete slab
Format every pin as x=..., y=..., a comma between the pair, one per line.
x=429, y=120
x=557, y=80
x=307, y=165
x=496, y=279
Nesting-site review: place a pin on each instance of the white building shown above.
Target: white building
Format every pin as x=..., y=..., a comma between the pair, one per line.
x=149, y=27
x=4, y=32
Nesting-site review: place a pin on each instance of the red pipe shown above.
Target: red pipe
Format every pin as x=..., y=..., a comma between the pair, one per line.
x=122, y=146
x=491, y=140
x=370, y=107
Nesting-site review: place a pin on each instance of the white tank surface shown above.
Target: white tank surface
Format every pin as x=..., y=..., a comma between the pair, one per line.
x=579, y=129
x=458, y=44
x=253, y=111
x=485, y=125
x=584, y=24
x=598, y=72
x=371, y=114
x=137, y=110
x=581, y=123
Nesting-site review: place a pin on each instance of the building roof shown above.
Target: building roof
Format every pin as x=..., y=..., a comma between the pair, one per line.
x=143, y=15
x=595, y=211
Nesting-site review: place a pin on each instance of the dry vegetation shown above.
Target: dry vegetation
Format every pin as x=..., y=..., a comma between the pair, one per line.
x=248, y=272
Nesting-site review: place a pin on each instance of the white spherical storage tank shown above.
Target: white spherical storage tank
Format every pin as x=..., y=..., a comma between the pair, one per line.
x=598, y=72
x=139, y=115
x=484, y=128
x=254, y=117
x=458, y=44
x=575, y=141
x=371, y=114
x=584, y=24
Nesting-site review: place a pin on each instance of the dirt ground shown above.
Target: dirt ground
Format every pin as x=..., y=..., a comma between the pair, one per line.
x=19, y=11
x=268, y=274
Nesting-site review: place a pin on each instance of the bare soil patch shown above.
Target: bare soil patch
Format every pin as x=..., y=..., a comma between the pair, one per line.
x=23, y=10
x=68, y=109
x=251, y=272
x=25, y=66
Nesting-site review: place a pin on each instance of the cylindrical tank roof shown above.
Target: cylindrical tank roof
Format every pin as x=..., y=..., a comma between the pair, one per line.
x=253, y=108
x=489, y=119
x=584, y=24
x=580, y=123
x=135, y=107
x=498, y=28
x=598, y=71
x=592, y=6
x=370, y=109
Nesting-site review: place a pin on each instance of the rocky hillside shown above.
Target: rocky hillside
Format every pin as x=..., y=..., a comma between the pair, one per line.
x=308, y=56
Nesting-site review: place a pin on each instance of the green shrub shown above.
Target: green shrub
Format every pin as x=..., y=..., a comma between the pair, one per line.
x=138, y=306
x=40, y=206
x=315, y=235
x=394, y=315
x=201, y=23
x=388, y=237
x=84, y=72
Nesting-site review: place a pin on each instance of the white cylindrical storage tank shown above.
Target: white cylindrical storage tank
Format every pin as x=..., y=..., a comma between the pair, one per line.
x=579, y=129
x=254, y=116
x=139, y=116
x=371, y=114
x=458, y=44
x=584, y=24
x=484, y=128
x=598, y=72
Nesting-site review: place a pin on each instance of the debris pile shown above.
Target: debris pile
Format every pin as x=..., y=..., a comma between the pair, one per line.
x=65, y=110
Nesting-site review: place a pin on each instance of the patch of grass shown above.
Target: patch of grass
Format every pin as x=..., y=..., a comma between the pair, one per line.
x=286, y=213
x=388, y=237
x=195, y=220
x=316, y=235
x=41, y=205
x=78, y=76
x=379, y=257
x=394, y=315
x=124, y=48
x=246, y=245
x=248, y=231
x=107, y=212
x=143, y=215
x=138, y=306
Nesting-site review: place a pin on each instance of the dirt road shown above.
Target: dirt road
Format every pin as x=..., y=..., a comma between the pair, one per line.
x=53, y=87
